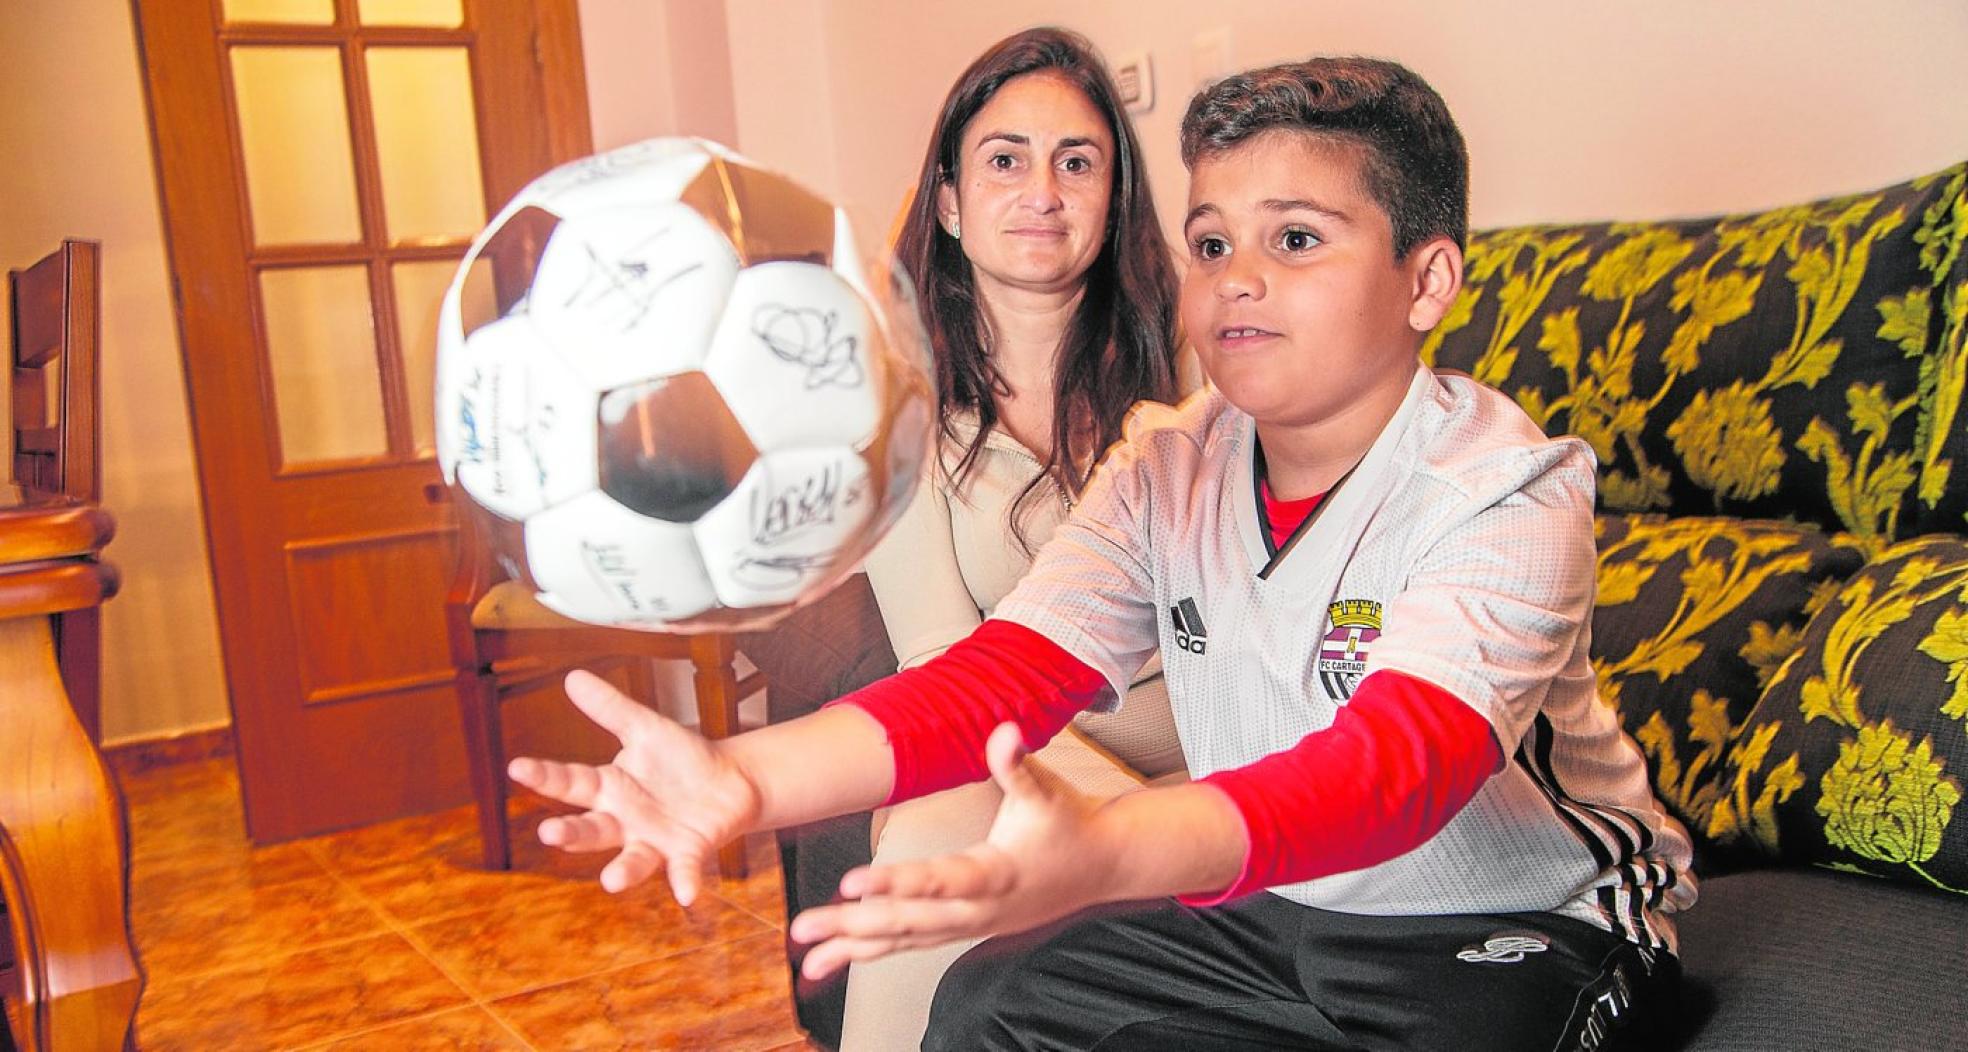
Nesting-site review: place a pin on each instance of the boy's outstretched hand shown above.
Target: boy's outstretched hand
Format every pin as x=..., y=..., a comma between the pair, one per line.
x=1043, y=859
x=667, y=801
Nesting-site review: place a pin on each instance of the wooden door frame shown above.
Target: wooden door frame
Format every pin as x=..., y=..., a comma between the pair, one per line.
x=214, y=307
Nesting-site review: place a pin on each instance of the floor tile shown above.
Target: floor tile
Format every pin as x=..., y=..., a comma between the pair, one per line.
x=179, y=781
x=188, y=932
x=162, y=879
x=462, y=1029
x=436, y=887
x=294, y=999
x=431, y=868
x=733, y=997
x=232, y=936
x=390, y=843
x=200, y=813
x=565, y=932
x=760, y=893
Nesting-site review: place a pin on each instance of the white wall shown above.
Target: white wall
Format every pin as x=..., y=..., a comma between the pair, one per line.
x=620, y=44
x=666, y=65
x=1572, y=111
x=783, y=71
x=76, y=143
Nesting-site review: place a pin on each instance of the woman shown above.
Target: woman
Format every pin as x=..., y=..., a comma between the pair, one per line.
x=1049, y=295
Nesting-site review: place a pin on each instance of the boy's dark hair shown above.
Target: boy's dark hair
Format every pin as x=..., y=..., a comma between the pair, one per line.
x=1415, y=165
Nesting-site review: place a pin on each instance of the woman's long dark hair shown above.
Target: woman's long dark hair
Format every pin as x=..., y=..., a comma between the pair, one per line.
x=1119, y=347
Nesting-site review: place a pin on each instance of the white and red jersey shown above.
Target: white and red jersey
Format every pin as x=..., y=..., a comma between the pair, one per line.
x=1459, y=552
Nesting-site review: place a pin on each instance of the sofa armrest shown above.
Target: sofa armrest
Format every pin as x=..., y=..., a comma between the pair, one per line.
x=831, y=647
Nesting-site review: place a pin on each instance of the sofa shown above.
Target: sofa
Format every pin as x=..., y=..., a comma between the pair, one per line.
x=1782, y=625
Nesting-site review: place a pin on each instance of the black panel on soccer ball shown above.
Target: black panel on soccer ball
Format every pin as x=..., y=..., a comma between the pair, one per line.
x=670, y=448
x=504, y=269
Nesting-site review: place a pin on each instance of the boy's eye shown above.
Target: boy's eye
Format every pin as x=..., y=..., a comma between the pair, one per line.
x=1210, y=247
x=1298, y=240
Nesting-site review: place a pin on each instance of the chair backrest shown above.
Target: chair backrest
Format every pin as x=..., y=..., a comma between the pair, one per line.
x=56, y=312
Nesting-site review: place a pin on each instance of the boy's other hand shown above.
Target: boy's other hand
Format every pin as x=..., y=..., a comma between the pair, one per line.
x=667, y=800
x=1044, y=858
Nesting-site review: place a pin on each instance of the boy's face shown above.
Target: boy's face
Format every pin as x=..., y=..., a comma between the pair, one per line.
x=1294, y=301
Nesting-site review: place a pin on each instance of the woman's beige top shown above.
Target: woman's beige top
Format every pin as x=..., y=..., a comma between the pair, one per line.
x=952, y=557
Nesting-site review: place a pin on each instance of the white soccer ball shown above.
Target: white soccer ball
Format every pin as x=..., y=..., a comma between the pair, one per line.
x=665, y=376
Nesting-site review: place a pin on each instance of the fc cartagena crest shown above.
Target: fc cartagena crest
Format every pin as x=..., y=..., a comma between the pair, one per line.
x=1352, y=626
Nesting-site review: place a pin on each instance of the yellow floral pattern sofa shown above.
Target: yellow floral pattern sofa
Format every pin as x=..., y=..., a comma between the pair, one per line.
x=1775, y=401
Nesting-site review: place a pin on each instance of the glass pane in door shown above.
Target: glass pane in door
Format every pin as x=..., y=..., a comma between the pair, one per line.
x=419, y=290
x=426, y=142
x=321, y=348
x=294, y=133
x=301, y=12
x=441, y=14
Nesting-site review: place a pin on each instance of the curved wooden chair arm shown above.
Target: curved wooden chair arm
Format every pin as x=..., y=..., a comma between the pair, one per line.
x=53, y=529
x=55, y=586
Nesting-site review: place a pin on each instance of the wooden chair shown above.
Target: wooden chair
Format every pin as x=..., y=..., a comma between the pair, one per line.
x=56, y=304
x=69, y=975
x=503, y=641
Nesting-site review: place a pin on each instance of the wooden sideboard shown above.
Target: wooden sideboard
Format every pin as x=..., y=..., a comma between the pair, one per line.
x=64, y=855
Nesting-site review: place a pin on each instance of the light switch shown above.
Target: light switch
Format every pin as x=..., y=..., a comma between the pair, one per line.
x=1134, y=78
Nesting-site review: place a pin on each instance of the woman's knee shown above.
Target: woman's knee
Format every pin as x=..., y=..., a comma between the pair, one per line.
x=937, y=824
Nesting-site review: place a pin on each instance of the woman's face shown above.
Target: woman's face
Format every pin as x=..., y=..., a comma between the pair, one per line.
x=1033, y=183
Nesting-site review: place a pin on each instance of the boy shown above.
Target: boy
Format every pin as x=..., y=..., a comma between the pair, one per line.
x=1371, y=585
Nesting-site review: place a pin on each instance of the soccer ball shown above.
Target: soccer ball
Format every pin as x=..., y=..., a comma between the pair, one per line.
x=678, y=402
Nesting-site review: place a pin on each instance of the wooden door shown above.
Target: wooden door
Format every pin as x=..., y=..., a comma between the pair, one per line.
x=323, y=165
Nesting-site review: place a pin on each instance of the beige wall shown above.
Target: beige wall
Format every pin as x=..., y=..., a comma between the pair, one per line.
x=657, y=58
x=1572, y=111
x=76, y=141
x=618, y=38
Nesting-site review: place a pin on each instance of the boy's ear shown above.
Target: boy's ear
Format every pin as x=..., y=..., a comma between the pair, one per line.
x=1436, y=265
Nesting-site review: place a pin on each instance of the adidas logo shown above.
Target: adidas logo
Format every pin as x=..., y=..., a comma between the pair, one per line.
x=1190, y=634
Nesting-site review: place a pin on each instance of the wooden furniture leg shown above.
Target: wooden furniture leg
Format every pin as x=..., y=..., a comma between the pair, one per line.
x=78, y=645
x=64, y=859
x=485, y=756
x=717, y=716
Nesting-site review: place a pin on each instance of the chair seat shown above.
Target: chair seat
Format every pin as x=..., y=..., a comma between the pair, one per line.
x=506, y=640
x=510, y=605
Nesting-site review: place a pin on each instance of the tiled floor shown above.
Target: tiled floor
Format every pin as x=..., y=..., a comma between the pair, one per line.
x=391, y=937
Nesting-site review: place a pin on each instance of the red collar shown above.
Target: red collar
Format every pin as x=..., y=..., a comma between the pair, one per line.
x=1283, y=516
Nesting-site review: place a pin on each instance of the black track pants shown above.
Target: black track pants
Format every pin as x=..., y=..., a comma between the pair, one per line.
x=1265, y=972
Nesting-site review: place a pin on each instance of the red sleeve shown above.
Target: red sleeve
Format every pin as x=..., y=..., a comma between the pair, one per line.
x=1400, y=760
x=939, y=713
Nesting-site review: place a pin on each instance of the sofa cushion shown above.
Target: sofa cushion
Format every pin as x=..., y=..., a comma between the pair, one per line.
x=831, y=647
x=1797, y=959
x=1856, y=755
x=1796, y=363
x=1694, y=616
